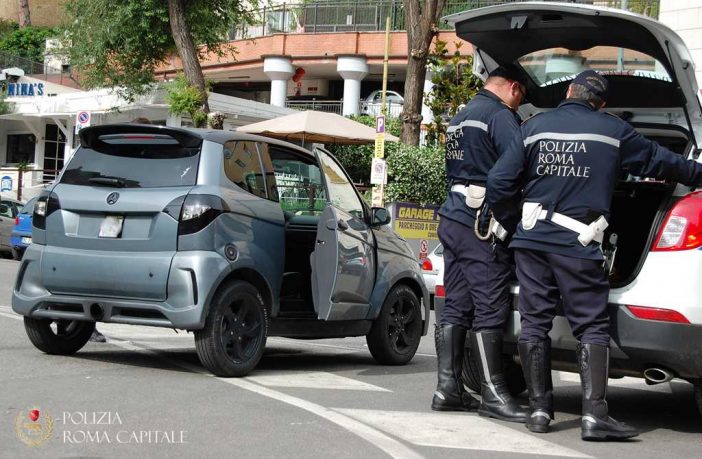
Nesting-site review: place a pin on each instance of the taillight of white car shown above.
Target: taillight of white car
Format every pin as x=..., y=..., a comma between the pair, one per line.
x=439, y=291
x=682, y=229
x=427, y=265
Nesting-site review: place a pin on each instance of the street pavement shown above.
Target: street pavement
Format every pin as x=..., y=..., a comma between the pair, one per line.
x=144, y=394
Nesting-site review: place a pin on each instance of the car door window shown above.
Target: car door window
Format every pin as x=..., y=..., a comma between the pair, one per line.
x=6, y=210
x=243, y=167
x=342, y=193
x=298, y=181
x=268, y=171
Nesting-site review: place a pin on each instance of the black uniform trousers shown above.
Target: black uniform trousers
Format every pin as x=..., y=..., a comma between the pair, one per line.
x=476, y=278
x=545, y=277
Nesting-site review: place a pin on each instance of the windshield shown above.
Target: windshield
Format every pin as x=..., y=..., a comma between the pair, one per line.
x=554, y=65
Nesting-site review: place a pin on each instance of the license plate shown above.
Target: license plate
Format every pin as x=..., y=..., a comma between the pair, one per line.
x=26, y=240
x=111, y=226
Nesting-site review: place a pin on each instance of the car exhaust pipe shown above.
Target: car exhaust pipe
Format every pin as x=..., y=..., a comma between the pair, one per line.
x=657, y=375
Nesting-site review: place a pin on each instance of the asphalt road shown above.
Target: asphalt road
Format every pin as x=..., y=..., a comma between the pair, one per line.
x=144, y=394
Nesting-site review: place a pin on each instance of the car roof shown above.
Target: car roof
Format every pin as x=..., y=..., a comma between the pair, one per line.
x=193, y=135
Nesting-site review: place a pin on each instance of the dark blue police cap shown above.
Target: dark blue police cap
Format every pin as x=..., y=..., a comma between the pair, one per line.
x=594, y=82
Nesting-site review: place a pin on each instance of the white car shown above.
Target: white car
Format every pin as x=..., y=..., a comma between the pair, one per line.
x=654, y=239
x=430, y=267
x=373, y=103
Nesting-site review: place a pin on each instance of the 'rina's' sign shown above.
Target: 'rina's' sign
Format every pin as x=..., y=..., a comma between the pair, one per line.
x=25, y=89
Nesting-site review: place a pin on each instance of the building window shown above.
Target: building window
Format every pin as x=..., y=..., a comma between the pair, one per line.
x=20, y=148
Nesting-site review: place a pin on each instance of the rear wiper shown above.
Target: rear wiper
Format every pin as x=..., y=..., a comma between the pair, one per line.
x=108, y=181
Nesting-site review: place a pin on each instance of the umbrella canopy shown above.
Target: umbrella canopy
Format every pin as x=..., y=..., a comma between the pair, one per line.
x=316, y=127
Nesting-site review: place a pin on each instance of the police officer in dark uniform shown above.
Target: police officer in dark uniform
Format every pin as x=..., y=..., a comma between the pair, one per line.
x=567, y=162
x=477, y=268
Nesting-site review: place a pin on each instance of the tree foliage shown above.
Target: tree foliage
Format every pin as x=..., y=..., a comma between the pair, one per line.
x=182, y=97
x=28, y=42
x=454, y=85
x=5, y=106
x=415, y=174
x=120, y=44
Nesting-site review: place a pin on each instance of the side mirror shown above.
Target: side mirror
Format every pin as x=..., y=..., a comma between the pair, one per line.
x=379, y=216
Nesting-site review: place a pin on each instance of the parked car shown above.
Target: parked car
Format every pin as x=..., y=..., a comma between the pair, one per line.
x=373, y=103
x=430, y=268
x=9, y=209
x=21, y=235
x=232, y=236
x=655, y=233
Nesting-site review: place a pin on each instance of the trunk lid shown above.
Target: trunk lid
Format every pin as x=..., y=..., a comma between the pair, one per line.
x=647, y=64
x=119, y=198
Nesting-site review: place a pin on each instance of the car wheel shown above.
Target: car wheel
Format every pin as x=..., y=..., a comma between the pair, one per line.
x=394, y=337
x=59, y=337
x=512, y=372
x=234, y=336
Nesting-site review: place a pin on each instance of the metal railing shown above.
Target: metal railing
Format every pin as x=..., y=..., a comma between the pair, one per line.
x=35, y=69
x=336, y=106
x=365, y=15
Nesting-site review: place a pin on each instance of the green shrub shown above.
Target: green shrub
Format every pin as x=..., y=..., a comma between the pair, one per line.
x=27, y=42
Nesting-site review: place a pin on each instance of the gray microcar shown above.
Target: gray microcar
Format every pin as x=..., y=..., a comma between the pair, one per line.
x=234, y=237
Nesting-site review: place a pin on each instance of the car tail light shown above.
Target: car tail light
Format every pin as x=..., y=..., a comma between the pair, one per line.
x=197, y=211
x=426, y=265
x=439, y=291
x=45, y=206
x=682, y=229
x=664, y=315
x=16, y=221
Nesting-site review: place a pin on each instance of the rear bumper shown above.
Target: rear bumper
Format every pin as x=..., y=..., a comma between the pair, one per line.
x=192, y=275
x=636, y=344
x=16, y=239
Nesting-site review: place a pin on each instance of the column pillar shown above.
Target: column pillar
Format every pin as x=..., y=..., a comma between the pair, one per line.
x=352, y=68
x=279, y=69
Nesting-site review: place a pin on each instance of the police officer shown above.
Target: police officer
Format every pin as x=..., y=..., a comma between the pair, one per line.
x=476, y=268
x=567, y=161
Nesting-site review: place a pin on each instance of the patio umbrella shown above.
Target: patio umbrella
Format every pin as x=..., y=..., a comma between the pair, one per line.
x=316, y=127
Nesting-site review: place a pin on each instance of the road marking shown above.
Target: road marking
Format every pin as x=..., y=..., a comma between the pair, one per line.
x=11, y=315
x=374, y=436
x=460, y=431
x=311, y=379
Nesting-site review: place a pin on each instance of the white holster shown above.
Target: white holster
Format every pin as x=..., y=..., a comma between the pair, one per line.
x=533, y=212
x=475, y=194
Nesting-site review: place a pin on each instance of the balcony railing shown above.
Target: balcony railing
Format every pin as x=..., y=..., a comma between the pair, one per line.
x=365, y=15
x=39, y=70
x=336, y=106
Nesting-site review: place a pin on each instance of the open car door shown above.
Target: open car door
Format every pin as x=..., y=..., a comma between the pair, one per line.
x=343, y=261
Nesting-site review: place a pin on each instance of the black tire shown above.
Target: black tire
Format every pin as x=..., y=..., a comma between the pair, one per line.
x=17, y=254
x=58, y=337
x=698, y=394
x=234, y=336
x=513, y=374
x=395, y=335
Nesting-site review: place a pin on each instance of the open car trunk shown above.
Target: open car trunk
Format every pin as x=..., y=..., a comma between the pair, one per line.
x=637, y=211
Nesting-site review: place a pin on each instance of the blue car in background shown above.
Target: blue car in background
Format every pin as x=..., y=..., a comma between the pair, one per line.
x=21, y=235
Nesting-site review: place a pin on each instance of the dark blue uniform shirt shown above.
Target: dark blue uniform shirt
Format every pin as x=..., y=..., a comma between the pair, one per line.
x=569, y=160
x=475, y=138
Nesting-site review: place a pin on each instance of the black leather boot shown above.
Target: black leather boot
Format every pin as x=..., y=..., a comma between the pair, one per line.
x=496, y=402
x=536, y=365
x=593, y=361
x=450, y=395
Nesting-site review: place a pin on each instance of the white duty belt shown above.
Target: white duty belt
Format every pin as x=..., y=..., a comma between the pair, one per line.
x=533, y=212
x=475, y=196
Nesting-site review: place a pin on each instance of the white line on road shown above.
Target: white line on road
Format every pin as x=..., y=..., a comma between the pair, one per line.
x=11, y=315
x=375, y=437
x=311, y=379
x=458, y=430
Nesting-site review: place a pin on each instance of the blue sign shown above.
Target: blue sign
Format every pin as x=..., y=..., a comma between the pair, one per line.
x=25, y=89
x=6, y=183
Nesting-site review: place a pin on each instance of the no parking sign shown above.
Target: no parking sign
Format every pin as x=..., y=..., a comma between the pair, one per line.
x=82, y=120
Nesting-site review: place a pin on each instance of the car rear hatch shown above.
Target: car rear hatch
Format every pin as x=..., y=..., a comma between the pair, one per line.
x=115, y=229
x=647, y=64
x=652, y=86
